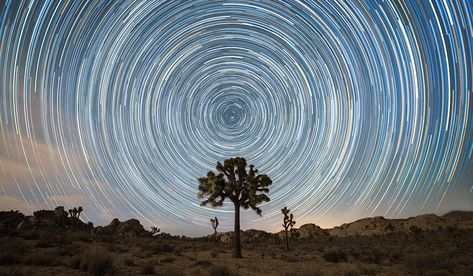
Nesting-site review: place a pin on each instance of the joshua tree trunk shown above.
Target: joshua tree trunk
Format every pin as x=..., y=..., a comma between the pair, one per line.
x=236, y=233
x=287, y=240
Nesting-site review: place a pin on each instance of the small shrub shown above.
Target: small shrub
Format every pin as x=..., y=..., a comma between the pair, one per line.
x=11, y=251
x=168, y=271
x=162, y=247
x=178, y=252
x=148, y=268
x=419, y=263
x=75, y=262
x=167, y=260
x=66, y=250
x=220, y=270
x=7, y=258
x=214, y=253
x=40, y=258
x=46, y=240
x=129, y=262
x=351, y=272
x=96, y=261
x=292, y=259
x=30, y=235
x=203, y=263
x=335, y=256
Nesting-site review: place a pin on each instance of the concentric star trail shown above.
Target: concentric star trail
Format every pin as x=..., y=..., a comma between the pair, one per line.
x=353, y=108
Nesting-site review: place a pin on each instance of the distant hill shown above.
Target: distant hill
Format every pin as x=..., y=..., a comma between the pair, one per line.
x=366, y=227
x=11, y=221
x=381, y=225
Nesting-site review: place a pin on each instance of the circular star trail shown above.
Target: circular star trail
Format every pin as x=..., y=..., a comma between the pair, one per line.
x=353, y=108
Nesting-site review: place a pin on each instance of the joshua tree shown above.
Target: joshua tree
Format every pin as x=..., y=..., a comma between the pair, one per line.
x=79, y=210
x=214, y=223
x=154, y=230
x=244, y=189
x=288, y=223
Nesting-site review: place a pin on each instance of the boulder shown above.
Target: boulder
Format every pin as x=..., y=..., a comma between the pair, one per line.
x=312, y=231
x=10, y=219
x=129, y=228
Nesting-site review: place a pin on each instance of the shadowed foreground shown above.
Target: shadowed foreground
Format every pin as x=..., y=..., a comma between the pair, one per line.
x=125, y=248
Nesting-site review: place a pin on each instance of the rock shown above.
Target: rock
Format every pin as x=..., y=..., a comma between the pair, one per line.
x=129, y=228
x=25, y=224
x=44, y=218
x=312, y=231
x=10, y=219
x=253, y=235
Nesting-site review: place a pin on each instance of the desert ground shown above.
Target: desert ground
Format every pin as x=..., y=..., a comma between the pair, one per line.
x=125, y=248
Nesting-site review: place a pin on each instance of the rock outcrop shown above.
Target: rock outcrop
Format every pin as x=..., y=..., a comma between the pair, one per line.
x=383, y=226
x=129, y=228
x=311, y=232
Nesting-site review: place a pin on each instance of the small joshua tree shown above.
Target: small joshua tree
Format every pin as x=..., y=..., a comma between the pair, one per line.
x=245, y=189
x=288, y=223
x=214, y=223
x=75, y=213
x=155, y=230
x=79, y=210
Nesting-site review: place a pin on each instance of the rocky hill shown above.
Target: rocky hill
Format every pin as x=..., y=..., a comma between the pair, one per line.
x=363, y=227
x=382, y=226
x=12, y=221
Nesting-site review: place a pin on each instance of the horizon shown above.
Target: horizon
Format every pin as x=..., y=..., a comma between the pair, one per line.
x=354, y=109
x=210, y=232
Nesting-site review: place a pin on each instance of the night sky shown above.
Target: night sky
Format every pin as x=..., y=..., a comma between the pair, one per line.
x=353, y=108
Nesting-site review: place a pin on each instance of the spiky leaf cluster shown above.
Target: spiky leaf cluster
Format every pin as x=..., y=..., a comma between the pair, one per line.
x=288, y=221
x=244, y=188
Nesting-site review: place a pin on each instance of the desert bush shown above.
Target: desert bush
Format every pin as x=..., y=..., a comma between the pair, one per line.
x=162, y=247
x=214, y=253
x=371, y=255
x=66, y=250
x=351, y=272
x=7, y=258
x=204, y=263
x=220, y=270
x=129, y=262
x=75, y=262
x=148, y=268
x=96, y=261
x=30, y=235
x=312, y=273
x=40, y=258
x=11, y=251
x=422, y=262
x=291, y=258
x=46, y=240
x=335, y=256
x=170, y=271
x=178, y=252
x=167, y=260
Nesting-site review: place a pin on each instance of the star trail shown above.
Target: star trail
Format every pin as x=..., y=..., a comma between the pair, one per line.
x=353, y=108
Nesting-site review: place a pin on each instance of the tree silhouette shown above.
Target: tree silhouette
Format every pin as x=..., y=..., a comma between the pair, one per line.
x=79, y=210
x=288, y=223
x=214, y=223
x=244, y=189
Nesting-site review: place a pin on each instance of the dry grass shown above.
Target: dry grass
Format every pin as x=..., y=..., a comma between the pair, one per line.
x=95, y=261
x=436, y=253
